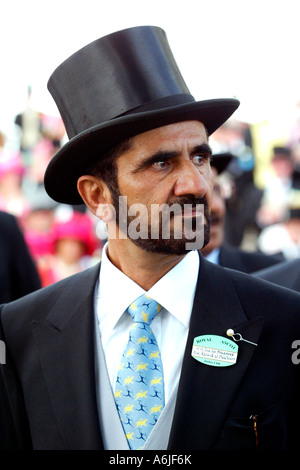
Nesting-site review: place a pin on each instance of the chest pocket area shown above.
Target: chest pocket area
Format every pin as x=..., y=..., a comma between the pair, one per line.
x=263, y=430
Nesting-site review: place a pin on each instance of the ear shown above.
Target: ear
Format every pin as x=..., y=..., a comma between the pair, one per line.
x=96, y=196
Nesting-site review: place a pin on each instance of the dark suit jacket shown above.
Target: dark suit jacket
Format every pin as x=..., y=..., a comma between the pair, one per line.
x=245, y=261
x=286, y=274
x=18, y=273
x=48, y=382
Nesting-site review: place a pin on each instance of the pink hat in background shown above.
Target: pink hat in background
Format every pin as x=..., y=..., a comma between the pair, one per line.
x=10, y=162
x=39, y=243
x=79, y=227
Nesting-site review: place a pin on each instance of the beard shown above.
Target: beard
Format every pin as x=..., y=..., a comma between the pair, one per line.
x=179, y=239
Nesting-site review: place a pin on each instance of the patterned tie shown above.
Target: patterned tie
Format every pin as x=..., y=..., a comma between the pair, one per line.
x=139, y=390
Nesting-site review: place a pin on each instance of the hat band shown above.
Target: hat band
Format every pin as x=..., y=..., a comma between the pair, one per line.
x=165, y=102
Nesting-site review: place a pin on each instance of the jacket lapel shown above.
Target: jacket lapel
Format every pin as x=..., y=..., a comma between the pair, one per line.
x=206, y=392
x=68, y=331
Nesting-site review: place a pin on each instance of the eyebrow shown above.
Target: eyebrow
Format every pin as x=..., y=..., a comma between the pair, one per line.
x=164, y=155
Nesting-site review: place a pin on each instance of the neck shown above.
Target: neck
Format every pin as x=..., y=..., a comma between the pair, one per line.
x=144, y=268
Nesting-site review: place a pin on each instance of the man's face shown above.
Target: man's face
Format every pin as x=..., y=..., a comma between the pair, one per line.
x=217, y=220
x=167, y=166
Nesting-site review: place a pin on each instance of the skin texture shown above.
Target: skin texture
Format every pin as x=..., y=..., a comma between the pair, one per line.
x=167, y=165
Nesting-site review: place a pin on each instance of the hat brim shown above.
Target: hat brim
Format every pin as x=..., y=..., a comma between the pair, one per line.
x=220, y=161
x=73, y=159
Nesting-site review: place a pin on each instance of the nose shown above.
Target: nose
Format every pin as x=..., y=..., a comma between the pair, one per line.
x=193, y=181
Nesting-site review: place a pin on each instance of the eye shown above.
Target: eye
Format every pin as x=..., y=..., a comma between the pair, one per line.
x=199, y=159
x=161, y=164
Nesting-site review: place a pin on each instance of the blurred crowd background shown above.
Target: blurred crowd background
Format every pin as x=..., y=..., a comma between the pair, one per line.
x=62, y=239
x=261, y=187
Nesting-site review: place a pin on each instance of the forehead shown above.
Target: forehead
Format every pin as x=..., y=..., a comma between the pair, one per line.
x=179, y=138
x=173, y=137
x=179, y=133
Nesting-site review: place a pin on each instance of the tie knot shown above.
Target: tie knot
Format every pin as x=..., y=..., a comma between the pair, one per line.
x=144, y=309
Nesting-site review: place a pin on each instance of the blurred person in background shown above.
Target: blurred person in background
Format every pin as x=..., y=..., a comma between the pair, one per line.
x=18, y=272
x=37, y=226
x=285, y=274
x=276, y=197
x=39, y=156
x=283, y=237
x=242, y=194
x=28, y=127
x=12, y=197
x=33, y=126
x=217, y=250
x=2, y=140
x=74, y=247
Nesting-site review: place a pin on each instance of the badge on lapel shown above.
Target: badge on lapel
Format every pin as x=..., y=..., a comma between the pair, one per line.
x=218, y=351
x=215, y=350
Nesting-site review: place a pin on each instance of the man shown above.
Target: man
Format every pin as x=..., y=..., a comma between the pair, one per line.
x=285, y=274
x=18, y=273
x=216, y=250
x=276, y=199
x=139, y=142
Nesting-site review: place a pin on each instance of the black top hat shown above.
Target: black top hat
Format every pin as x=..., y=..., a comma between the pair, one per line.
x=220, y=161
x=282, y=153
x=114, y=88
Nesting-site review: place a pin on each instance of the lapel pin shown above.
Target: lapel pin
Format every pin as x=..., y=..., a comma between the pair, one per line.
x=214, y=350
x=237, y=336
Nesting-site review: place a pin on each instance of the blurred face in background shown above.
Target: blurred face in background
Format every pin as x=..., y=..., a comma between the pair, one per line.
x=70, y=250
x=283, y=167
x=218, y=212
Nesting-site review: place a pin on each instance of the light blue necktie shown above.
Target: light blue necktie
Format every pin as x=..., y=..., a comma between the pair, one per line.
x=139, y=389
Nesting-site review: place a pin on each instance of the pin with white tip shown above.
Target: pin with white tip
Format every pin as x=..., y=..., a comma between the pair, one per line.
x=238, y=337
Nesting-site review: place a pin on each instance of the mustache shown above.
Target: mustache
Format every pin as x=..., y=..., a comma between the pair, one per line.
x=189, y=200
x=192, y=202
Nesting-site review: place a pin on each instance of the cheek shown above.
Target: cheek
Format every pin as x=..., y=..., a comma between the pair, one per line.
x=143, y=192
x=131, y=186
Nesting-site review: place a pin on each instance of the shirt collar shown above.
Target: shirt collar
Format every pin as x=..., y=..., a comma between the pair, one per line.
x=174, y=291
x=213, y=256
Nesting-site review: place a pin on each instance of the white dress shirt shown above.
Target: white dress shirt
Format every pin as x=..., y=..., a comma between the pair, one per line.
x=174, y=291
